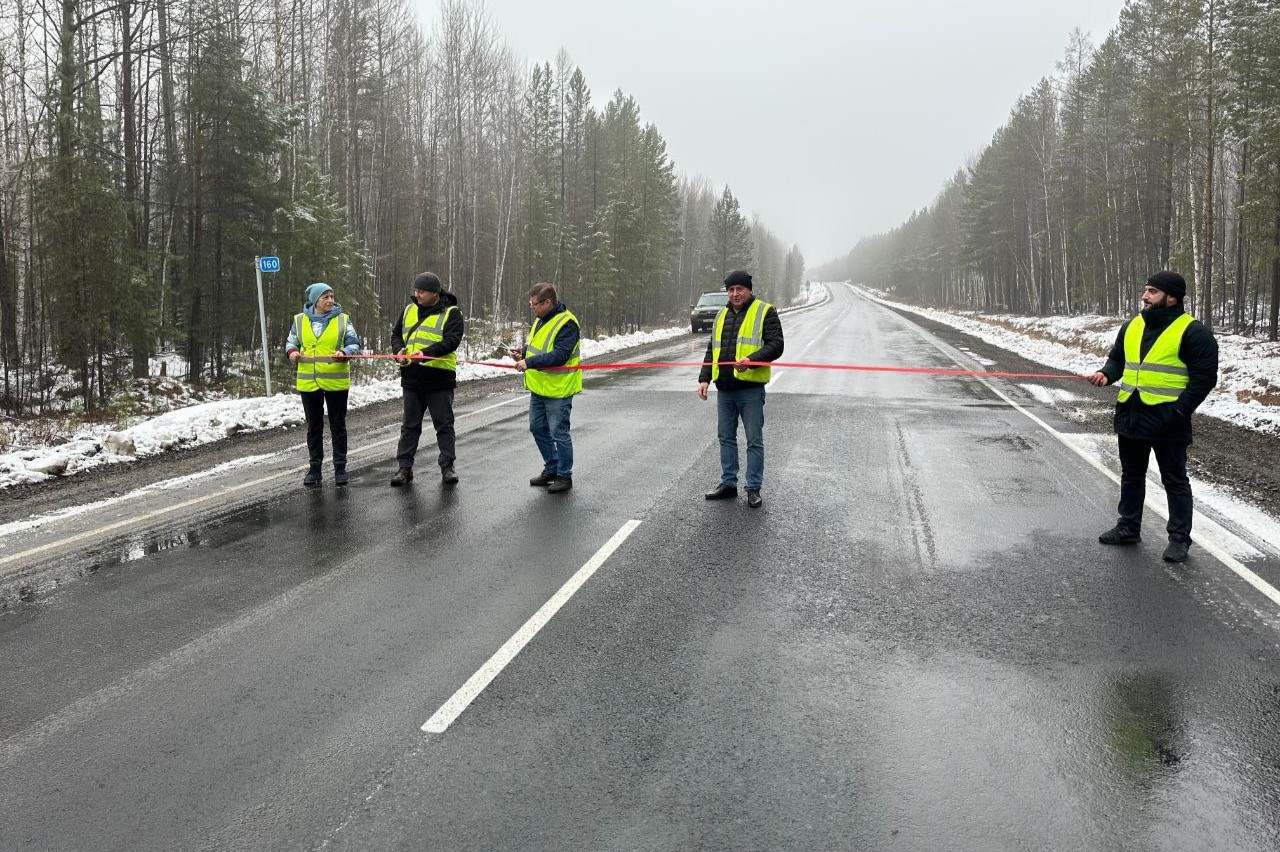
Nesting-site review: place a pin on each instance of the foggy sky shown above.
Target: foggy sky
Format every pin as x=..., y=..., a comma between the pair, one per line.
x=831, y=119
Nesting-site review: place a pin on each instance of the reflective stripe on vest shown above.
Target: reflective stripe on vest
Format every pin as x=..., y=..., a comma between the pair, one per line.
x=430, y=331
x=750, y=340
x=542, y=339
x=316, y=368
x=1161, y=376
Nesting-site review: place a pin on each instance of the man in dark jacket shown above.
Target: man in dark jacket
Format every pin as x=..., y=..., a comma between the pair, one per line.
x=747, y=330
x=428, y=334
x=1165, y=364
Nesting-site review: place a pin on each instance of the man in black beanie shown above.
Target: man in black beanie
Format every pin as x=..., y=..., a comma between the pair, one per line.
x=1165, y=363
x=746, y=330
x=428, y=334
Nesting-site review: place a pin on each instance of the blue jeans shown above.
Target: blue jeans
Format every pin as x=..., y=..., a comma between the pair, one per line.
x=747, y=405
x=549, y=423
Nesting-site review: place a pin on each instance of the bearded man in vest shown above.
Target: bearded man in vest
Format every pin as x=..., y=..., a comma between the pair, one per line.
x=427, y=336
x=746, y=330
x=555, y=340
x=320, y=339
x=1164, y=363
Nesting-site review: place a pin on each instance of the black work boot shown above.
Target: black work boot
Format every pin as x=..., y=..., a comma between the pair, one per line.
x=1120, y=535
x=754, y=500
x=543, y=479
x=339, y=475
x=1177, y=551
x=312, y=479
x=722, y=492
x=560, y=483
x=447, y=474
x=403, y=477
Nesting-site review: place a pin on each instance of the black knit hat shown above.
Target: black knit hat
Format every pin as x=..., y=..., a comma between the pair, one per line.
x=737, y=278
x=428, y=281
x=1169, y=282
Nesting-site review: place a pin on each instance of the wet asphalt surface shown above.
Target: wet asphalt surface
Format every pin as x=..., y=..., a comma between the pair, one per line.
x=916, y=643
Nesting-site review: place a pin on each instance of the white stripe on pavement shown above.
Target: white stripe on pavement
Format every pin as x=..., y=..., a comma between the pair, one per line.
x=451, y=709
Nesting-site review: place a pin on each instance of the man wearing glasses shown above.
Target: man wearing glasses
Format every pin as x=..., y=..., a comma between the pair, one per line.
x=1165, y=363
x=427, y=336
x=553, y=341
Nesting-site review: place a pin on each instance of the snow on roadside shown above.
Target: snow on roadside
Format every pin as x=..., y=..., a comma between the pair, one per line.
x=99, y=444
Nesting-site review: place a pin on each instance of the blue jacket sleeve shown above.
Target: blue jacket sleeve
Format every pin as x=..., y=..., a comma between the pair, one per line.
x=351, y=345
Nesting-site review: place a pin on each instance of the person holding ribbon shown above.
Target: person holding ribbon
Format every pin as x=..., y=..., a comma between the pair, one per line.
x=320, y=339
x=427, y=336
x=1165, y=363
x=747, y=333
x=554, y=340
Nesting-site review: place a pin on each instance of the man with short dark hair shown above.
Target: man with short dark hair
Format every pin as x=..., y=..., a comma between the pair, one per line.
x=1165, y=363
x=427, y=336
x=554, y=341
x=746, y=330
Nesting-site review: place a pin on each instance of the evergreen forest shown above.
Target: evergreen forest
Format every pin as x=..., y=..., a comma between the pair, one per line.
x=1158, y=148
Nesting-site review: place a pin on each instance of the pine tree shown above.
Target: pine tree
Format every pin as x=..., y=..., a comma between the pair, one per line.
x=729, y=239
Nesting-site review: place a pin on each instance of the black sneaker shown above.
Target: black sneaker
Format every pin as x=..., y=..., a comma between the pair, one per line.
x=754, y=500
x=1119, y=535
x=1177, y=551
x=403, y=477
x=543, y=479
x=339, y=476
x=560, y=483
x=447, y=475
x=312, y=479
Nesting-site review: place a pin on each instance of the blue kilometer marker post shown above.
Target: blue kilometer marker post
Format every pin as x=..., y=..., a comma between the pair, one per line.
x=261, y=265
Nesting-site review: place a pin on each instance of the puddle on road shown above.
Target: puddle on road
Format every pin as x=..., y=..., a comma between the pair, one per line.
x=226, y=529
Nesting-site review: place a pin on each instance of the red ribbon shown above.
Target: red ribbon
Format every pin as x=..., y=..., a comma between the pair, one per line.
x=799, y=365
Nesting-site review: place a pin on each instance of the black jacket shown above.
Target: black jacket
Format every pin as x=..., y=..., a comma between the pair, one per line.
x=420, y=376
x=1167, y=422
x=771, y=350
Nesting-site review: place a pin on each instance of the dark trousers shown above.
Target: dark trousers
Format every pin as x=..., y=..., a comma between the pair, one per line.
x=1172, y=459
x=418, y=402
x=313, y=404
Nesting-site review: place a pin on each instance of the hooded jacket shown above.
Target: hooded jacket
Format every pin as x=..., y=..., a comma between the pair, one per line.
x=417, y=376
x=1169, y=422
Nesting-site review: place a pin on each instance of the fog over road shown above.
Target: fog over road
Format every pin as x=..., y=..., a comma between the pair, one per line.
x=916, y=643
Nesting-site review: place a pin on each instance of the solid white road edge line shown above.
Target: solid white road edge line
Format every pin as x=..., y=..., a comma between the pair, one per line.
x=451, y=709
x=1207, y=544
x=97, y=532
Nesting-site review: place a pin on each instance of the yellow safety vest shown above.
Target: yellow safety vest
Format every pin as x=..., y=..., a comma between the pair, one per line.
x=1161, y=376
x=750, y=340
x=316, y=368
x=431, y=330
x=542, y=339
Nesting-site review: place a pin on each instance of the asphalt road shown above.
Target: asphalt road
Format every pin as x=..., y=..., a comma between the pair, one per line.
x=915, y=644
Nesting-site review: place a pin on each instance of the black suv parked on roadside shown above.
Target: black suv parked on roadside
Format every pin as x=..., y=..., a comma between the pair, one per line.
x=702, y=316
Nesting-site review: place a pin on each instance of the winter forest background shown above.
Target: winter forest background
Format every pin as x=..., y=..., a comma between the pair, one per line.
x=1158, y=148
x=152, y=148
